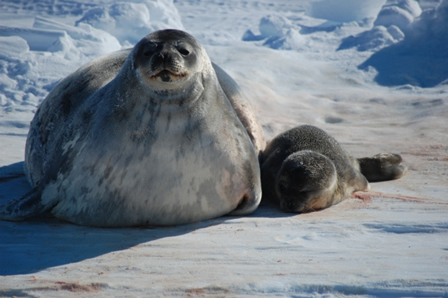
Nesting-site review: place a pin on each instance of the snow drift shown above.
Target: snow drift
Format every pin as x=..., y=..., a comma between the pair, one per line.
x=421, y=59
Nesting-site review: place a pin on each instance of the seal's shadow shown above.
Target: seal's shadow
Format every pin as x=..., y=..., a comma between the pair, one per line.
x=34, y=245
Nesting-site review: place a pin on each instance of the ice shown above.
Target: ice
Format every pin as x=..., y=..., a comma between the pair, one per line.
x=278, y=33
x=38, y=40
x=400, y=14
x=13, y=46
x=395, y=32
x=426, y=51
x=345, y=10
x=84, y=38
x=274, y=26
x=394, y=18
x=411, y=6
x=129, y=21
x=374, y=39
x=391, y=243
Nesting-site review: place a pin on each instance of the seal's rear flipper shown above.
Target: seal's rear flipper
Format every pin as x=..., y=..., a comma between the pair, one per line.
x=382, y=167
x=30, y=205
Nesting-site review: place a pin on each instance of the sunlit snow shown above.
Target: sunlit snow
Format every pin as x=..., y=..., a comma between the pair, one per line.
x=372, y=73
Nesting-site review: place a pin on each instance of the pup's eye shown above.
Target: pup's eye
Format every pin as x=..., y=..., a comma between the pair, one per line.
x=283, y=186
x=148, y=53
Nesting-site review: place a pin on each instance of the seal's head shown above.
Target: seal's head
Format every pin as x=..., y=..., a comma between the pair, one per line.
x=306, y=182
x=169, y=59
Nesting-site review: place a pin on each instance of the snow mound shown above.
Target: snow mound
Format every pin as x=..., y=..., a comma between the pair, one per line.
x=278, y=33
x=394, y=15
x=12, y=46
x=16, y=62
x=130, y=21
x=274, y=26
x=290, y=40
x=87, y=40
x=345, y=11
x=400, y=14
x=33, y=59
x=421, y=59
x=51, y=36
x=393, y=20
x=37, y=40
x=375, y=39
x=395, y=32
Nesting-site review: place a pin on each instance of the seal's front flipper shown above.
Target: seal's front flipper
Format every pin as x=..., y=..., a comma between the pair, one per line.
x=30, y=205
x=382, y=167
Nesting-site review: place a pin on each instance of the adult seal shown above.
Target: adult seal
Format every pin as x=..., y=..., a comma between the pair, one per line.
x=146, y=136
x=305, y=169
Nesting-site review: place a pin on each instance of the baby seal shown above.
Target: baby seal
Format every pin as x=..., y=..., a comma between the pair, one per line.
x=305, y=169
x=144, y=136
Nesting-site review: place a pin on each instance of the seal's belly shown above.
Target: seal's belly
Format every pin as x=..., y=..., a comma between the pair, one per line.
x=163, y=181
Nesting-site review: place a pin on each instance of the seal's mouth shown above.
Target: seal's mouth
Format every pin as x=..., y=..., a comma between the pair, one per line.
x=166, y=75
x=292, y=205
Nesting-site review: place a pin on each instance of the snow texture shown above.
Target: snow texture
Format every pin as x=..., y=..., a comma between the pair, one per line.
x=130, y=21
x=345, y=10
x=374, y=74
x=421, y=59
x=400, y=14
x=374, y=39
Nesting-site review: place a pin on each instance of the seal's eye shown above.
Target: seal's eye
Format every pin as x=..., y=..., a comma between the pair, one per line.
x=183, y=51
x=148, y=53
x=283, y=186
x=149, y=49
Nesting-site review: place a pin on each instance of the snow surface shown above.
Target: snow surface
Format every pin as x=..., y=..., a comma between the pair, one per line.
x=374, y=74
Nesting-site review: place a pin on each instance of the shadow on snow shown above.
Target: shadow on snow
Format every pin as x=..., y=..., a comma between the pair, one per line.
x=34, y=245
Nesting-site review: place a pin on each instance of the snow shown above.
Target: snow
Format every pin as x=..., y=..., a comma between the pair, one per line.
x=421, y=59
x=130, y=21
x=376, y=83
x=374, y=39
x=345, y=10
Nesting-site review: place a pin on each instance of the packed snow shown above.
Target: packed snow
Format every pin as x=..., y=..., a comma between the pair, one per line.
x=372, y=73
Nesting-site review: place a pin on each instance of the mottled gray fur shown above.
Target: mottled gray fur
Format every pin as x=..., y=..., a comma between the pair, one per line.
x=142, y=136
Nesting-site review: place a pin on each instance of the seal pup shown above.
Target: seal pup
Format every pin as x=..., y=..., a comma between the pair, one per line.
x=305, y=169
x=144, y=136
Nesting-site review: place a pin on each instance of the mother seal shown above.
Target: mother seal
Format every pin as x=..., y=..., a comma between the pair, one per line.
x=150, y=135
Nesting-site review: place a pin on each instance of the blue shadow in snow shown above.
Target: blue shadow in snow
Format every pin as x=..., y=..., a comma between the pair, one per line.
x=34, y=245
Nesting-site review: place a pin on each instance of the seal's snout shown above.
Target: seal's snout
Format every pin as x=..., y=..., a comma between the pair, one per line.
x=292, y=204
x=164, y=60
x=166, y=63
x=163, y=57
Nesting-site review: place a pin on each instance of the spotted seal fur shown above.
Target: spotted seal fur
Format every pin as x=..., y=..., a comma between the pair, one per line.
x=154, y=135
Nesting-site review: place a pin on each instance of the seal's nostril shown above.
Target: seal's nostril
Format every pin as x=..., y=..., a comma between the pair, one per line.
x=291, y=205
